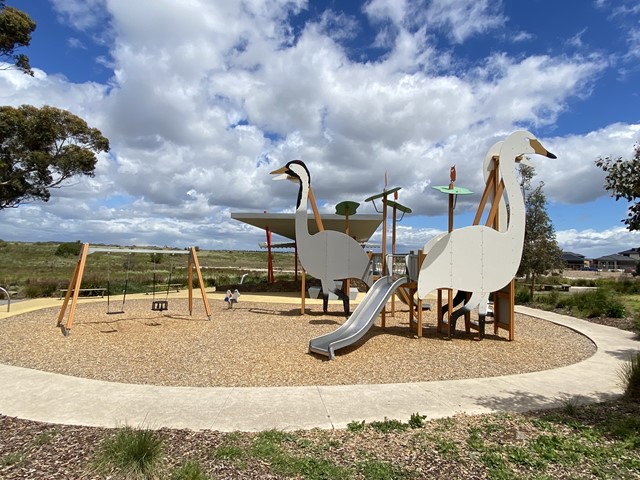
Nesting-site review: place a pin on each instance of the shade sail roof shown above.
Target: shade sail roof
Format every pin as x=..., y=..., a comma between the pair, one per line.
x=361, y=226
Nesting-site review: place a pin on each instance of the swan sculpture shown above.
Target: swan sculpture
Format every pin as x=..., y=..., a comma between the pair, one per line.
x=479, y=259
x=327, y=255
x=487, y=167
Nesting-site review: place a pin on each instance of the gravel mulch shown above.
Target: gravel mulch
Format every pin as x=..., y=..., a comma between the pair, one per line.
x=265, y=344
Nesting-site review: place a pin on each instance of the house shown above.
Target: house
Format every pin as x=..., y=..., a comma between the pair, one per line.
x=631, y=253
x=574, y=261
x=617, y=261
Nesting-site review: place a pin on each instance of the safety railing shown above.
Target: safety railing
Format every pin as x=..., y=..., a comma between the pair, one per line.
x=8, y=298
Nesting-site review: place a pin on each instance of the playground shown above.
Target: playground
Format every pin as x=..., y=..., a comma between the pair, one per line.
x=263, y=341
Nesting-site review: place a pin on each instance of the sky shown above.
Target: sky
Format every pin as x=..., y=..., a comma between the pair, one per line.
x=201, y=99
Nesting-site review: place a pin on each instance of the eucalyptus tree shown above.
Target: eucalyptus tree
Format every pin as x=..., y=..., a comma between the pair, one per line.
x=623, y=181
x=42, y=148
x=541, y=253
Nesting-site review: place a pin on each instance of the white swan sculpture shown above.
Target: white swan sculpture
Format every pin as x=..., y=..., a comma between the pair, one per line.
x=479, y=259
x=326, y=255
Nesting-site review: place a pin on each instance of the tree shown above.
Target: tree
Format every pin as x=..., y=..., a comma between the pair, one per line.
x=623, y=181
x=541, y=253
x=15, y=32
x=41, y=148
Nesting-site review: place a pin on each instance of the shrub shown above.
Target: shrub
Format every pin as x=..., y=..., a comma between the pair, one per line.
x=356, y=426
x=389, y=425
x=627, y=286
x=598, y=303
x=417, y=420
x=523, y=295
x=630, y=377
x=41, y=289
x=68, y=249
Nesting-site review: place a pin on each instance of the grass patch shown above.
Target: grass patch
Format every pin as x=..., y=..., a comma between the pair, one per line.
x=447, y=447
x=190, y=470
x=228, y=452
x=380, y=470
x=389, y=425
x=308, y=467
x=475, y=440
x=45, y=437
x=132, y=452
x=356, y=427
x=13, y=459
x=267, y=446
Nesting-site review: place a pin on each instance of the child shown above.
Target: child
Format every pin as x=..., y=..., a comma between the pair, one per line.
x=232, y=298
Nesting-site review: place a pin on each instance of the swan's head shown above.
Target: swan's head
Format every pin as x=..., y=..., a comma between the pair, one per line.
x=295, y=170
x=522, y=143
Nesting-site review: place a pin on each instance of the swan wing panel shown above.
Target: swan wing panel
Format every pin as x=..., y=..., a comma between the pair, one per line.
x=466, y=247
x=345, y=258
x=436, y=267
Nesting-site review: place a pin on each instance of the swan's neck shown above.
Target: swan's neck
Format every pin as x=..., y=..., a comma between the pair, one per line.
x=302, y=230
x=515, y=228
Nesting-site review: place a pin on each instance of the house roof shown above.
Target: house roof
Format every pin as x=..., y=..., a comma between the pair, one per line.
x=630, y=251
x=572, y=257
x=616, y=257
x=361, y=226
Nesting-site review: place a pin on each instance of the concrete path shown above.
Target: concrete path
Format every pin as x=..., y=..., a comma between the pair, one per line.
x=49, y=397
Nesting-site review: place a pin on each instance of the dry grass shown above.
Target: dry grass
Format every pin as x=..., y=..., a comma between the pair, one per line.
x=265, y=344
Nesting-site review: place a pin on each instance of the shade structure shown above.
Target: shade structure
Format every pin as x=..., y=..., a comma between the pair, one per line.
x=361, y=226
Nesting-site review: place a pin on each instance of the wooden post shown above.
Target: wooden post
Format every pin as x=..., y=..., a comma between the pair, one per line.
x=347, y=282
x=190, y=284
x=304, y=278
x=270, y=277
x=74, y=285
x=295, y=258
x=314, y=207
x=393, y=250
x=316, y=215
x=383, y=318
x=194, y=258
x=421, y=257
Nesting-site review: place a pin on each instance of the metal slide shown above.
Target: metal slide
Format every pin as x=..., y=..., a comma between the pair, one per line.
x=360, y=320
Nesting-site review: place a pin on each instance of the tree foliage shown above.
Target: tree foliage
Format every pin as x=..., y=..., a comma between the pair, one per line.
x=41, y=148
x=623, y=181
x=541, y=253
x=69, y=249
x=15, y=32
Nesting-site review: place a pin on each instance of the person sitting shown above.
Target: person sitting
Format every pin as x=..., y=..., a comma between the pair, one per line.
x=232, y=297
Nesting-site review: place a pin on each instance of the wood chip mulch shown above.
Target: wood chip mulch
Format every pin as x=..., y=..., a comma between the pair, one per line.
x=265, y=344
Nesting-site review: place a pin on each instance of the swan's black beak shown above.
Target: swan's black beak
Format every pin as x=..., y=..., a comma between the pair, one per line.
x=539, y=149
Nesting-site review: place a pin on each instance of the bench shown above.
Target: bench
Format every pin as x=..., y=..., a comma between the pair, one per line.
x=549, y=288
x=162, y=287
x=88, y=291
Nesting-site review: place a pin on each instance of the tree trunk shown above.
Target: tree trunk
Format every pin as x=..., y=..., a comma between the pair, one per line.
x=533, y=284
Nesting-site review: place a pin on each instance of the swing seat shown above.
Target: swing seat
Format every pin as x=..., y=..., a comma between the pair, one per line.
x=159, y=305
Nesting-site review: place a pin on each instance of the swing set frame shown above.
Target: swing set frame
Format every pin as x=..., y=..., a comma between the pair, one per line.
x=76, y=280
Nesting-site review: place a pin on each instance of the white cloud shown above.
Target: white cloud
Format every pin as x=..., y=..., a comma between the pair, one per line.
x=463, y=19
x=208, y=97
x=593, y=244
x=81, y=14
